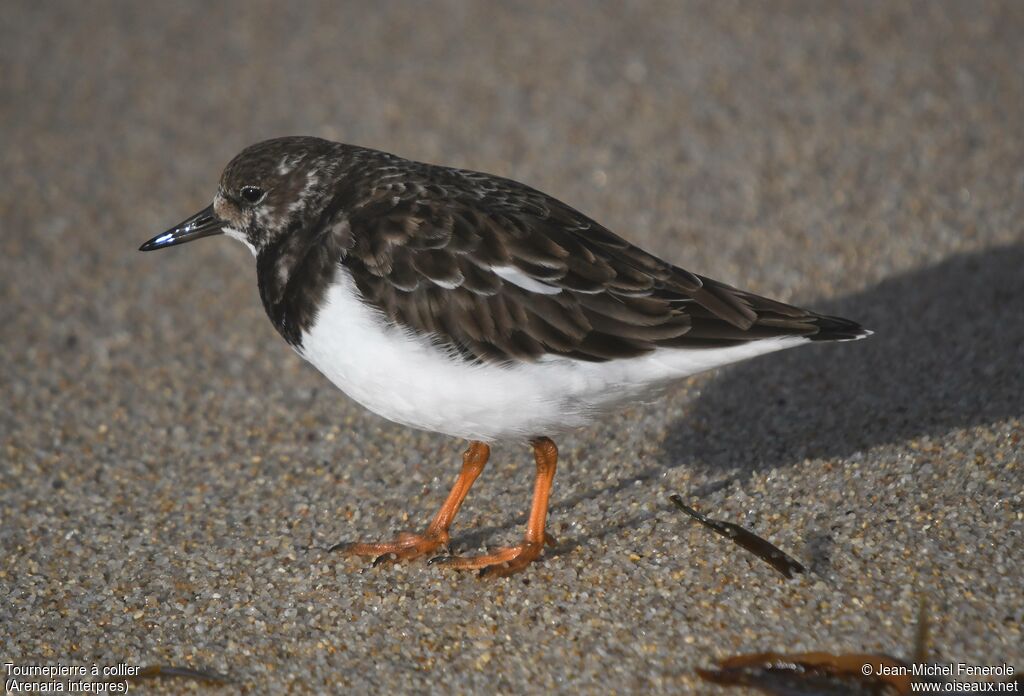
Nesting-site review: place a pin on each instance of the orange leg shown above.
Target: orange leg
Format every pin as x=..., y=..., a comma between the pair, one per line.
x=512, y=559
x=409, y=545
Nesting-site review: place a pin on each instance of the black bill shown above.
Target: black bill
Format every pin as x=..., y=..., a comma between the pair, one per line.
x=202, y=224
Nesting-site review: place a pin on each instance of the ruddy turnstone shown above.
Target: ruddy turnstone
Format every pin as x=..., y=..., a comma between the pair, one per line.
x=475, y=306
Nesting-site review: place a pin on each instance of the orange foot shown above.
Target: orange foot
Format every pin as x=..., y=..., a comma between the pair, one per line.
x=512, y=559
x=499, y=563
x=410, y=545
x=407, y=546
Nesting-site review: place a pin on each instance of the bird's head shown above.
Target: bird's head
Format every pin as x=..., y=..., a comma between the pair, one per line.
x=267, y=190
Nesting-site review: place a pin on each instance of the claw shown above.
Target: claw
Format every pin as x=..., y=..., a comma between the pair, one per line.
x=383, y=558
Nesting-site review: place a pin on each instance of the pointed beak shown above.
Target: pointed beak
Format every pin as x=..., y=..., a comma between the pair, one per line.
x=202, y=224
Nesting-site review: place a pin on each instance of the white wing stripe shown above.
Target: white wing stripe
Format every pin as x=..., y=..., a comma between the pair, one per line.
x=517, y=277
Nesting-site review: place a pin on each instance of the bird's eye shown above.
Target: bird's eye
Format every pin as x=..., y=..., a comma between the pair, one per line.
x=251, y=194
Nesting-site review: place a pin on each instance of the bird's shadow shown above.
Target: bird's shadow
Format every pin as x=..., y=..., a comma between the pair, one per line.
x=948, y=353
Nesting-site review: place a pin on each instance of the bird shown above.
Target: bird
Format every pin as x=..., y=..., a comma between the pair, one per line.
x=475, y=306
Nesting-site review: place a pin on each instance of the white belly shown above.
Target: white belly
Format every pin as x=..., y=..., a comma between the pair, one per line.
x=409, y=380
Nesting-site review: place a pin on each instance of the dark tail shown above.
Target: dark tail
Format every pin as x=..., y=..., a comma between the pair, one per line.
x=837, y=329
x=725, y=316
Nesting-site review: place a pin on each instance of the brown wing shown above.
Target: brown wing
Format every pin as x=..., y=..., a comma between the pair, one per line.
x=425, y=249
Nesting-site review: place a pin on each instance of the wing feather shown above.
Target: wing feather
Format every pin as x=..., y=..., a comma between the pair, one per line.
x=426, y=258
